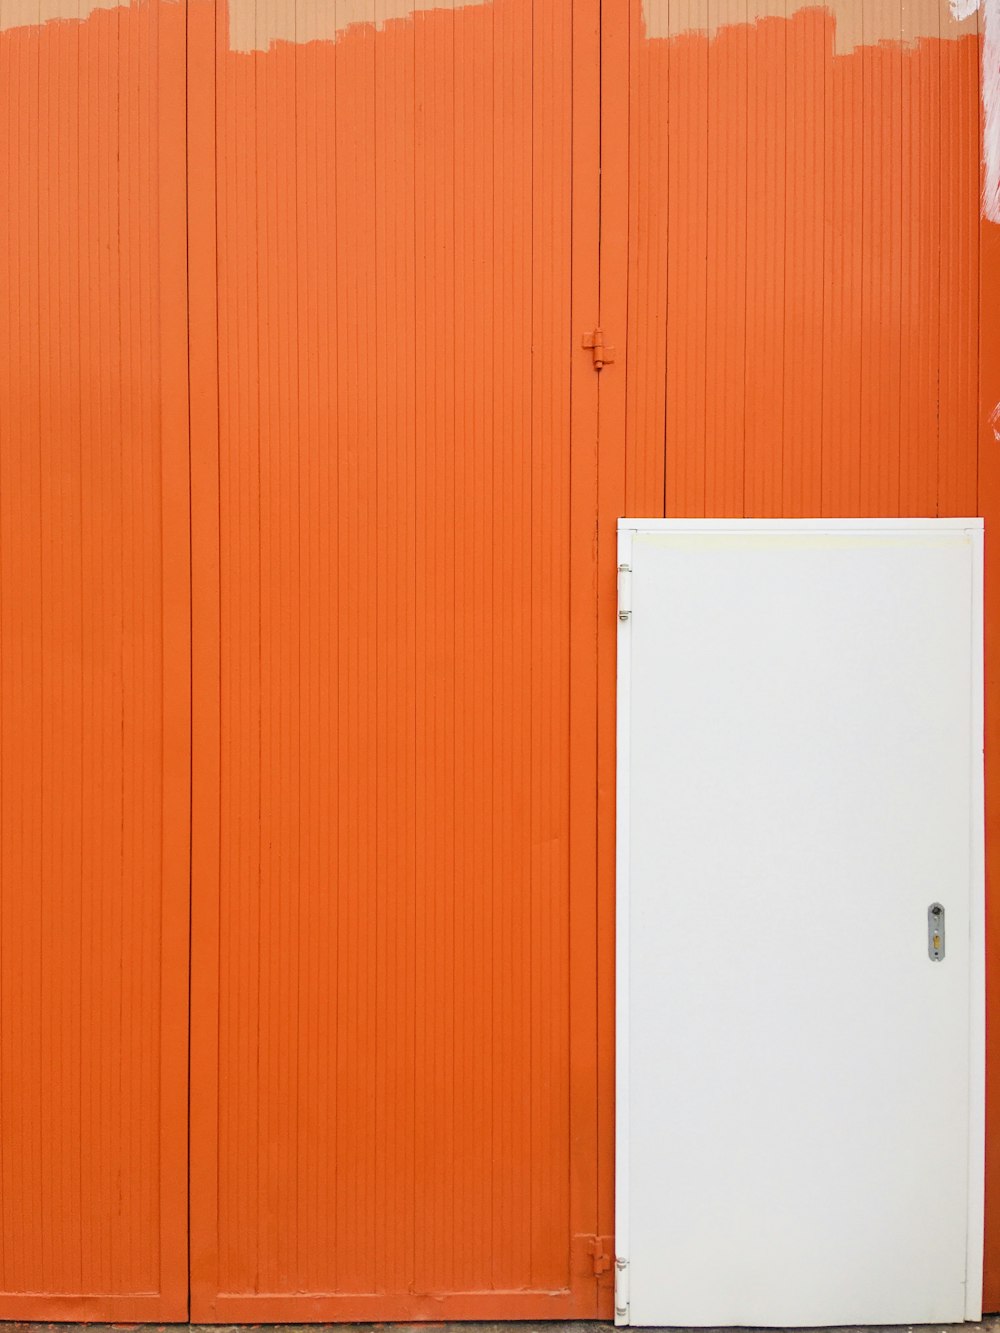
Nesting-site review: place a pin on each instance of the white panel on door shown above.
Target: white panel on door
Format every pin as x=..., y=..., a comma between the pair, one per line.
x=800, y=1084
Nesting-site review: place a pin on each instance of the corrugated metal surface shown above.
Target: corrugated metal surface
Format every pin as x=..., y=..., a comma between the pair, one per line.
x=804, y=224
x=386, y=1120
x=94, y=672
x=403, y=858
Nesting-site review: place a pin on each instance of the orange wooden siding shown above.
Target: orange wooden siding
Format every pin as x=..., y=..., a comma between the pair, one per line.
x=94, y=670
x=803, y=338
x=386, y=950
x=404, y=479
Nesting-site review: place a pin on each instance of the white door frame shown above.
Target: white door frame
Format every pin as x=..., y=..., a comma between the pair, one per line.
x=627, y=528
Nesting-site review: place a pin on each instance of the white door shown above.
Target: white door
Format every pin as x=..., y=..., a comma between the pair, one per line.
x=800, y=1083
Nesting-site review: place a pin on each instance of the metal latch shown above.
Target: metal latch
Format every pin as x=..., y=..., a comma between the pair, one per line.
x=935, y=932
x=603, y=352
x=600, y=1248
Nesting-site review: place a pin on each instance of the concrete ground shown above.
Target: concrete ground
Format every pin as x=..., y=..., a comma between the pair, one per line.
x=991, y=1324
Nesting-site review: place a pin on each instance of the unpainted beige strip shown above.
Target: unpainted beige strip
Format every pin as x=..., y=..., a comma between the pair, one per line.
x=856, y=23
x=727, y=13
x=29, y=13
x=925, y=18
x=253, y=26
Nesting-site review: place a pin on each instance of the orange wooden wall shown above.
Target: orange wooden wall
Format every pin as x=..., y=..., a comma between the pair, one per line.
x=340, y=270
x=804, y=252
x=94, y=675
x=387, y=1119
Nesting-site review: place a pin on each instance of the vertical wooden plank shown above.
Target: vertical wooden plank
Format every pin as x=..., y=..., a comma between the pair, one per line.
x=94, y=666
x=726, y=269
x=175, y=471
x=205, y=354
x=687, y=261
x=400, y=1091
x=767, y=206
x=584, y=625
x=616, y=48
x=552, y=569
x=880, y=244
x=842, y=287
x=806, y=194
x=648, y=247
x=960, y=195
x=921, y=187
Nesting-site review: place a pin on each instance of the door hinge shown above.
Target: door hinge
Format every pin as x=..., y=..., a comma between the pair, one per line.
x=624, y=591
x=603, y=352
x=621, y=1289
x=601, y=1251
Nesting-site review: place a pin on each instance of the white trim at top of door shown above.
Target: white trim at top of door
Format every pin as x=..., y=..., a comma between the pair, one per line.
x=800, y=524
x=627, y=528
